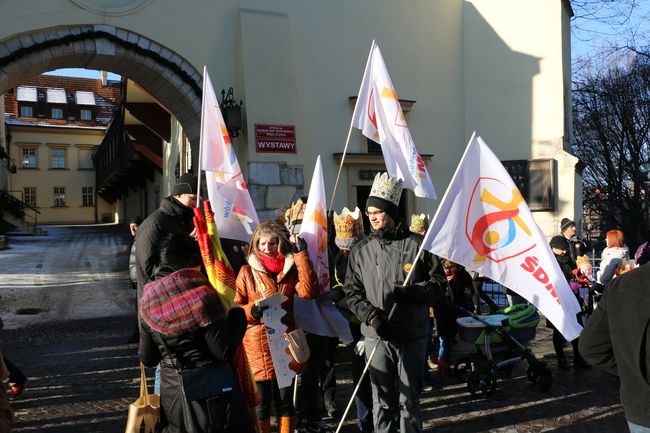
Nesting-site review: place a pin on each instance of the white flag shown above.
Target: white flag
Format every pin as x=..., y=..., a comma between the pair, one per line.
x=234, y=212
x=484, y=224
x=325, y=319
x=378, y=114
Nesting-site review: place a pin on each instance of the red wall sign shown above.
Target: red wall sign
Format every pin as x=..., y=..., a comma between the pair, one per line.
x=275, y=138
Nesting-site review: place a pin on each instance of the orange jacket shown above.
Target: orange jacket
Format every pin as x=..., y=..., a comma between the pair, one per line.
x=297, y=277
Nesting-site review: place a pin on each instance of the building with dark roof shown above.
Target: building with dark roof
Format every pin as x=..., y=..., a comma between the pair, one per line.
x=53, y=126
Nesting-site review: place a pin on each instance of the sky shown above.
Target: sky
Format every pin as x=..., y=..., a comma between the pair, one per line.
x=82, y=73
x=590, y=36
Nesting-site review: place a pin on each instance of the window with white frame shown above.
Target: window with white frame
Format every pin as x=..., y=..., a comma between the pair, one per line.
x=29, y=196
x=57, y=158
x=29, y=157
x=59, y=196
x=85, y=159
x=87, y=196
x=57, y=113
x=26, y=111
x=85, y=114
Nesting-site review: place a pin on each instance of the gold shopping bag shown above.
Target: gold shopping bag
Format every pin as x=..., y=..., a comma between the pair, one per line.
x=145, y=411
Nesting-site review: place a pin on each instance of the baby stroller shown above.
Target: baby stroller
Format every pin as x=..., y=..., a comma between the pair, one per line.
x=499, y=340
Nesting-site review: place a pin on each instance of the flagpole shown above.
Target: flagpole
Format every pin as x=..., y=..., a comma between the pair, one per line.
x=347, y=140
x=198, y=183
x=406, y=281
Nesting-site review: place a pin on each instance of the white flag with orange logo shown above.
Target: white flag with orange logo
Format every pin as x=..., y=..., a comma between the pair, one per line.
x=378, y=114
x=484, y=224
x=233, y=208
x=324, y=319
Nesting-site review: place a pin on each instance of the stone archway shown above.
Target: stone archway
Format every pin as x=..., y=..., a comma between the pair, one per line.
x=168, y=77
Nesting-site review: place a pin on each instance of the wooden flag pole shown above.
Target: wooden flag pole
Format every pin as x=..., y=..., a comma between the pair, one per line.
x=347, y=140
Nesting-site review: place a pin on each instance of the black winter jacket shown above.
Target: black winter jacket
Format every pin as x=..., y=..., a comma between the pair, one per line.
x=214, y=345
x=617, y=339
x=379, y=261
x=171, y=217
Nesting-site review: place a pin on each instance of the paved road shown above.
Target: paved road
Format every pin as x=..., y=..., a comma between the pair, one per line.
x=83, y=375
x=75, y=272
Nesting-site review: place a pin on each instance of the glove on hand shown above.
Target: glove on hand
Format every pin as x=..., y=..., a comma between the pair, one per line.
x=381, y=325
x=399, y=292
x=301, y=244
x=257, y=311
x=329, y=296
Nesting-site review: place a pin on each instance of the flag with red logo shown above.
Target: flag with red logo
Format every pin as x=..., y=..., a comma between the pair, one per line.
x=484, y=224
x=378, y=114
x=324, y=319
x=232, y=205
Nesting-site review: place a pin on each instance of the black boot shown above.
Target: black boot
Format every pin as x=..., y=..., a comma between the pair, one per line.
x=558, y=345
x=578, y=361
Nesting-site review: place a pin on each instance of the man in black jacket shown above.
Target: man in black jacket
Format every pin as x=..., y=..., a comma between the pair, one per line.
x=377, y=267
x=617, y=339
x=174, y=215
x=577, y=248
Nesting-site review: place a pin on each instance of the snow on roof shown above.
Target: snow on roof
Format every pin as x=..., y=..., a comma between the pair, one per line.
x=26, y=94
x=56, y=96
x=85, y=98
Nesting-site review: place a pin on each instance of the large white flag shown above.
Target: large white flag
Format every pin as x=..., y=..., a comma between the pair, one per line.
x=378, y=114
x=317, y=319
x=233, y=208
x=484, y=224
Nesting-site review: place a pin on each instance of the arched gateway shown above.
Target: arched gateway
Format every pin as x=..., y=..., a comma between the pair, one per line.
x=167, y=76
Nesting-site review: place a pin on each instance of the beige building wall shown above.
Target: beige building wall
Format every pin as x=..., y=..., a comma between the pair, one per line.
x=497, y=67
x=78, y=173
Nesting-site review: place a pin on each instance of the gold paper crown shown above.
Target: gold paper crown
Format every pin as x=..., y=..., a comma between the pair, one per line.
x=348, y=227
x=582, y=260
x=293, y=215
x=419, y=223
x=387, y=188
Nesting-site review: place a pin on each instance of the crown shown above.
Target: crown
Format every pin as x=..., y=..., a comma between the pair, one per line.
x=387, y=188
x=349, y=228
x=582, y=260
x=293, y=215
x=419, y=223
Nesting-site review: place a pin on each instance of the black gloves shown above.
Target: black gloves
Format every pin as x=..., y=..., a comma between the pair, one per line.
x=412, y=294
x=333, y=295
x=257, y=311
x=379, y=322
x=301, y=244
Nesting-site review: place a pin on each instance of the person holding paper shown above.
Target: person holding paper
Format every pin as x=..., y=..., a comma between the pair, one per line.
x=274, y=265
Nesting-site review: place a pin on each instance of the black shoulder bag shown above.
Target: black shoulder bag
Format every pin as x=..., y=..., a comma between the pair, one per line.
x=199, y=387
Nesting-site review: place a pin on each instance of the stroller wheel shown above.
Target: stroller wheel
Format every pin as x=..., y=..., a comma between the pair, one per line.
x=545, y=379
x=464, y=366
x=532, y=374
x=481, y=384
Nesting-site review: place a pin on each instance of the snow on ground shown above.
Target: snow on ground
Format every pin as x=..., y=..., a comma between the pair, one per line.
x=76, y=272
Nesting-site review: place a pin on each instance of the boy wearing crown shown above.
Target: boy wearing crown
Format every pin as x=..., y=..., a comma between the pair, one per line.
x=377, y=267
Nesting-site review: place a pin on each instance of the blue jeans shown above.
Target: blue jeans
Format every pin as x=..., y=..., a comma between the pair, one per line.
x=636, y=428
x=446, y=343
x=156, y=382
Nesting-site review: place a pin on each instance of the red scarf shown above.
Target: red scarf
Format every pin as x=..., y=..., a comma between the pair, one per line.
x=273, y=265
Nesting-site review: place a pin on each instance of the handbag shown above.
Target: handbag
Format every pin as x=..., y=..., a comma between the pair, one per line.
x=199, y=387
x=297, y=339
x=298, y=345
x=145, y=411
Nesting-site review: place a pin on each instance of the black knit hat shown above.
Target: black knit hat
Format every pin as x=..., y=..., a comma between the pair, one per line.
x=186, y=184
x=565, y=224
x=559, y=242
x=384, y=205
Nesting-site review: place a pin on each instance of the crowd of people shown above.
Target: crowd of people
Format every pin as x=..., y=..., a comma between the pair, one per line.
x=182, y=325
